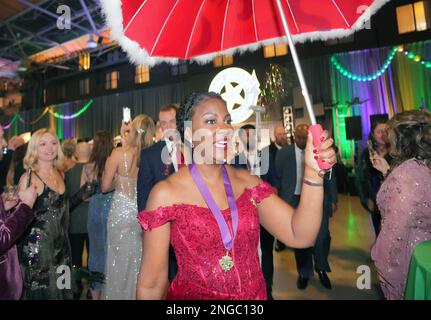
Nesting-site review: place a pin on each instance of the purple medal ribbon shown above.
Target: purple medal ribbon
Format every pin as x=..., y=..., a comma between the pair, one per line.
x=215, y=210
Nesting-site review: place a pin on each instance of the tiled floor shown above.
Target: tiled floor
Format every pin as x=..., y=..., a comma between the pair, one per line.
x=352, y=237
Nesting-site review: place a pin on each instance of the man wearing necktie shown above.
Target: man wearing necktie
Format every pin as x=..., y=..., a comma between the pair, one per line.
x=264, y=167
x=289, y=168
x=158, y=162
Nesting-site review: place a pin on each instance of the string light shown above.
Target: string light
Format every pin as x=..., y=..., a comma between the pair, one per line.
x=45, y=111
x=71, y=116
x=364, y=78
x=415, y=57
x=400, y=49
x=6, y=127
x=32, y=122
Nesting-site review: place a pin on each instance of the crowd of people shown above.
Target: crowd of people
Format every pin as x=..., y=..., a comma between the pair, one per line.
x=165, y=214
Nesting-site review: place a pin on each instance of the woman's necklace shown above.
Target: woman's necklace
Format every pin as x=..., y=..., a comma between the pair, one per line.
x=226, y=262
x=52, y=179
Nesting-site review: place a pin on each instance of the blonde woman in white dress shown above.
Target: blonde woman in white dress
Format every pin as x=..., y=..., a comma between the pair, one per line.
x=124, y=236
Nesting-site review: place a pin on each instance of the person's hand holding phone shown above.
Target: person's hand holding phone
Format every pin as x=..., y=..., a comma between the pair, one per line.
x=125, y=128
x=379, y=163
x=127, y=118
x=126, y=125
x=371, y=148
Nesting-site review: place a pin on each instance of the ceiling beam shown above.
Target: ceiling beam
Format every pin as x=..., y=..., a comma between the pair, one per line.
x=90, y=19
x=14, y=37
x=41, y=32
x=25, y=11
x=48, y=42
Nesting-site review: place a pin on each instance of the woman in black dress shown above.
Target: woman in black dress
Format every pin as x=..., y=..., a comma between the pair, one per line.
x=44, y=250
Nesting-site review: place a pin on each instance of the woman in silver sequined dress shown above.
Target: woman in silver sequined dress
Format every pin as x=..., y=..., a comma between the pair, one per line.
x=404, y=199
x=124, y=235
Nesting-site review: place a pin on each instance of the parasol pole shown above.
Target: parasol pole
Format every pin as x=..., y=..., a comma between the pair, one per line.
x=258, y=110
x=297, y=64
x=315, y=129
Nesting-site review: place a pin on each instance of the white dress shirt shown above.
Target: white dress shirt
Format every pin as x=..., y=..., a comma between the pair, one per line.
x=300, y=162
x=253, y=163
x=172, y=149
x=277, y=146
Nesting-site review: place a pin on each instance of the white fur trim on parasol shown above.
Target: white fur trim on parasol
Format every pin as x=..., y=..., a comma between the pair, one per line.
x=114, y=18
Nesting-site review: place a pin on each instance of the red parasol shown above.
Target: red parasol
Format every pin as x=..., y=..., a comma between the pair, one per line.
x=153, y=31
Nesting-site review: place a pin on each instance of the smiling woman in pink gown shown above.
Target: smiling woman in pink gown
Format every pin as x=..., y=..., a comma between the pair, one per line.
x=210, y=213
x=198, y=248
x=404, y=200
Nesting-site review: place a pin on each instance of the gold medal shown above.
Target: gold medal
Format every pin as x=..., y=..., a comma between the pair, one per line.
x=226, y=262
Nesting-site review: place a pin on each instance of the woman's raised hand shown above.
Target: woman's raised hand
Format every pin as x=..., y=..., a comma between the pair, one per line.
x=324, y=151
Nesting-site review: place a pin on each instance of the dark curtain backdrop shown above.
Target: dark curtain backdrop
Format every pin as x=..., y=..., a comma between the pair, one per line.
x=104, y=114
x=106, y=111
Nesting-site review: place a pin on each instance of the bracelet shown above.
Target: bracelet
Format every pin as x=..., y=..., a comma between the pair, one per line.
x=311, y=183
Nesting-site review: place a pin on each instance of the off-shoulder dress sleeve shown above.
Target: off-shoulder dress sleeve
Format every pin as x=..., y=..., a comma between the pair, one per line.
x=156, y=218
x=262, y=191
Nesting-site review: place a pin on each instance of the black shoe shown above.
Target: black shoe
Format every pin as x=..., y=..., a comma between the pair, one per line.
x=279, y=246
x=324, y=279
x=302, y=283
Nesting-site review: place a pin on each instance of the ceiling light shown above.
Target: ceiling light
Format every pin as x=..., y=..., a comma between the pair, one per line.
x=91, y=43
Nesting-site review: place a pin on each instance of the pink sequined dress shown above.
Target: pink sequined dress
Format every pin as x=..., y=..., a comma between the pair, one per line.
x=405, y=204
x=198, y=246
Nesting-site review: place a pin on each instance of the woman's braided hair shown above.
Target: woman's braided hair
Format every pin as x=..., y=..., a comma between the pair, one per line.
x=188, y=107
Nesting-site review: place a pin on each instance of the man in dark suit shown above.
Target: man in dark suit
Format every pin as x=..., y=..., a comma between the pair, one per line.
x=158, y=162
x=246, y=160
x=279, y=142
x=289, y=167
